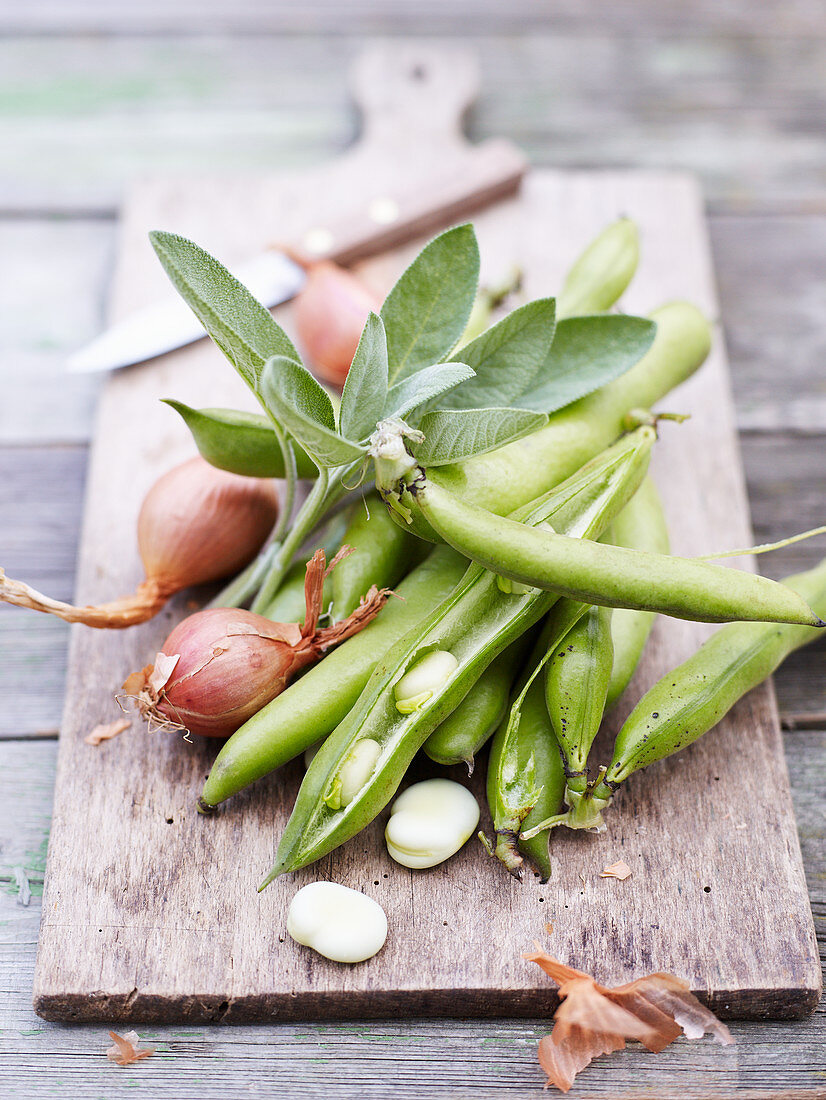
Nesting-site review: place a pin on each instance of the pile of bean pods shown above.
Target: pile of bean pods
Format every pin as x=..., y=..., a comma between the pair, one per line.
x=519, y=528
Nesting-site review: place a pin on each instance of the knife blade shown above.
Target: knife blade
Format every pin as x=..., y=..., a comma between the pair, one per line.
x=272, y=278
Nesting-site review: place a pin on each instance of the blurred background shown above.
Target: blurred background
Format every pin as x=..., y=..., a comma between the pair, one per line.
x=94, y=93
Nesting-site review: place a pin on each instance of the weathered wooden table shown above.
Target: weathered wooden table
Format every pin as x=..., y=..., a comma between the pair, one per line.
x=92, y=94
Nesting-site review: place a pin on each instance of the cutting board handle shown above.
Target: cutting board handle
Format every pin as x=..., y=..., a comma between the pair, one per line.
x=412, y=171
x=414, y=93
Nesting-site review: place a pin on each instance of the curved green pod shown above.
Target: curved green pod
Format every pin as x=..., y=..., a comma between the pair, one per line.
x=596, y=572
x=576, y=685
x=240, y=442
x=639, y=526
x=600, y=276
x=692, y=698
x=473, y=722
x=472, y=626
x=289, y=604
x=526, y=777
x=381, y=555
x=313, y=706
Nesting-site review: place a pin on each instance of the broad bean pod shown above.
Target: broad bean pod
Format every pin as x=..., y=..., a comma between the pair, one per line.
x=313, y=706
x=612, y=576
x=381, y=554
x=288, y=605
x=577, y=676
x=472, y=626
x=241, y=442
x=639, y=526
x=692, y=698
x=602, y=273
x=526, y=777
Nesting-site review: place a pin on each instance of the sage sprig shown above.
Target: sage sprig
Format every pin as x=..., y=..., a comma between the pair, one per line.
x=509, y=379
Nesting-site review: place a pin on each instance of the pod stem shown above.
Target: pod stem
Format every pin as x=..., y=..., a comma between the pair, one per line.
x=326, y=491
x=394, y=465
x=584, y=811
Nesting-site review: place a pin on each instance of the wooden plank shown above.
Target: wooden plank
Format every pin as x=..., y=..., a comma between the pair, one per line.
x=426, y=1057
x=84, y=116
x=803, y=17
x=129, y=935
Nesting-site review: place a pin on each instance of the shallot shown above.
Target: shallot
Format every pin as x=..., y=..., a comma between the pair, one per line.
x=220, y=666
x=330, y=312
x=197, y=524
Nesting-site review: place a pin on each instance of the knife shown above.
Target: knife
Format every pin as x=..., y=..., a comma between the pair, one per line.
x=487, y=172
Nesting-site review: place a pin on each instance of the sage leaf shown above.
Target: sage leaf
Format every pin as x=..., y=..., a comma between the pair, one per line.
x=423, y=386
x=587, y=352
x=240, y=442
x=451, y=435
x=296, y=400
x=240, y=325
x=506, y=358
x=364, y=396
x=427, y=310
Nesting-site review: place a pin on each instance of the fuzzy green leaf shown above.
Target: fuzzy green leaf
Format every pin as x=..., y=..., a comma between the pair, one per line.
x=364, y=396
x=427, y=310
x=587, y=352
x=455, y=434
x=295, y=399
x=243, y=329
x=506, y=358
x=425, y=385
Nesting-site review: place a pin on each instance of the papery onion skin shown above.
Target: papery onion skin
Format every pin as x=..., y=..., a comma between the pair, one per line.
x=199, y=524
x=220, y=666
x=330, y=312
x=244, y=673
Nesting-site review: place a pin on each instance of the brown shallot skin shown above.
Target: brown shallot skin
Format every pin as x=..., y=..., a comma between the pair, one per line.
x=196, y=524
x=220, y=666
x=330, y=312
x=224, y=674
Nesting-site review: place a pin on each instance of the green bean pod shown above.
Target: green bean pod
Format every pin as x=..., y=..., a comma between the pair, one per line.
x=506, y=478
x=381, y=554
x=313, y=706
x=639, y=526
x=595, y=572
x=473, y=722
x=576, y=686
x=526, y=777
x=359, y=767
x=692, y=698
x=602, y=273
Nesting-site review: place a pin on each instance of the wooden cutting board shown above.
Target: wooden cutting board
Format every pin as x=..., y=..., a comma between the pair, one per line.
x=151, y=911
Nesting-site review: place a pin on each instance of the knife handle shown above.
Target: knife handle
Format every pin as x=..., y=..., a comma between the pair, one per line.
x=423, y=174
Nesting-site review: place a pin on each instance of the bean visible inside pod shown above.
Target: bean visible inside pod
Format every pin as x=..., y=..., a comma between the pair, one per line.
x=354, y=773
x=420, y=682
